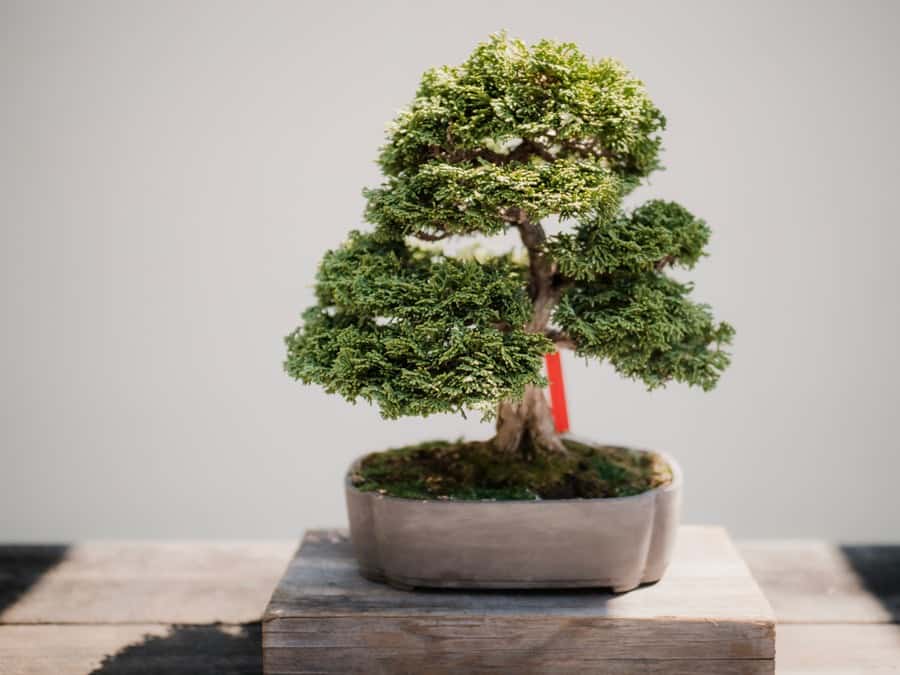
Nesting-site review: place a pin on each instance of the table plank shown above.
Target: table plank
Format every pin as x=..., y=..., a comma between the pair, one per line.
x=829, y=649
x=833, y=604
x=144, y=582
x=838, y=649
x=130, y=649
x=819, y=582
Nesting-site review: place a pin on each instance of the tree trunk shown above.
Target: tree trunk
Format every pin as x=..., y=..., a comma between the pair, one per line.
x=527, y=426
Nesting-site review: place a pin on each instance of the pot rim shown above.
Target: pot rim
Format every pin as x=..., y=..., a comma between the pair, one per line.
x=674, y=484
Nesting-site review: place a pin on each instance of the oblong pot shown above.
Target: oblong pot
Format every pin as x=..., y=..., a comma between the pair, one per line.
x=618, y=542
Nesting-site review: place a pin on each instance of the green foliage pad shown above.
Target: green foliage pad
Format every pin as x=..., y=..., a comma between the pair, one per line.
x=514, y=134
x=416, y=332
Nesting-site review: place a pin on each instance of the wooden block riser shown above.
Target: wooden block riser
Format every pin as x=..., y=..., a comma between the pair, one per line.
x=706, y=616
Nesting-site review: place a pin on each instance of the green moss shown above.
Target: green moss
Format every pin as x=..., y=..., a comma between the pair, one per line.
x=475, y=470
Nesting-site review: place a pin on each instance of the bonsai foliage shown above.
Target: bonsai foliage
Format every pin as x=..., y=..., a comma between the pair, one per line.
x=514, y=135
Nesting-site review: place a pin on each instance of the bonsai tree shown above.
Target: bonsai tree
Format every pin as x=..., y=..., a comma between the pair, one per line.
x=514, y=135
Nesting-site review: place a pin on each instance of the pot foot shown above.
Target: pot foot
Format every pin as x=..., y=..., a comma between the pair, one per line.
x=624, y=588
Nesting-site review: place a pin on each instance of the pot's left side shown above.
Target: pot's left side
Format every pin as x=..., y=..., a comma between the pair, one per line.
x=363, y=533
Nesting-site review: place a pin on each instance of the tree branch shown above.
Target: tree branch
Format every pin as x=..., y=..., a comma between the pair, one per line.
x=561, y=339
x=663, y=262
x=529, y=148
x=427, y=236
x=524, y=151
x=541, y=270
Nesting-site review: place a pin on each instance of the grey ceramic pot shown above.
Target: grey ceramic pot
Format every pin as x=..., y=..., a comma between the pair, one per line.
x=561, y=543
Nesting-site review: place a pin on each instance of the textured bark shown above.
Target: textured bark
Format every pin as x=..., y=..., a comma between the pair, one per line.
x=527, y=426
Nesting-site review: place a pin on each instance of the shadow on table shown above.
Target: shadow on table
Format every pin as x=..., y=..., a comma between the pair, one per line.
x=22, y=566
x=191, y=650
x=878, y=568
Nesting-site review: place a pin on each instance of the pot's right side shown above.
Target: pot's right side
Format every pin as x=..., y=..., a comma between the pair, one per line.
x=666, y=518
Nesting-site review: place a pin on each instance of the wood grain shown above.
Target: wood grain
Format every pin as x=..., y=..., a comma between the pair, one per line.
x=130, y=649
x=707, y=615
x=125, y=649
x=143, y=582
x=504, y=663
x=847, y=597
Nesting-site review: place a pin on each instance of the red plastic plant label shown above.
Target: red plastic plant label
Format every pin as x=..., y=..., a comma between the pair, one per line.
x=557, y=392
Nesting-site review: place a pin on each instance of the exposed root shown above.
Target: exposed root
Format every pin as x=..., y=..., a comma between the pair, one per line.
x=526, y=427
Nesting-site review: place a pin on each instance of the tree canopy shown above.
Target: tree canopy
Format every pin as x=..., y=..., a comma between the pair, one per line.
x=513, y=135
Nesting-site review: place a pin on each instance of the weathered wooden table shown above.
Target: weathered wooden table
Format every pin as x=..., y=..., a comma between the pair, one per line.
x=194, y=608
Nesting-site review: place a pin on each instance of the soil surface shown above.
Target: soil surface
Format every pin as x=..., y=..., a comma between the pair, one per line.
x=475, y=470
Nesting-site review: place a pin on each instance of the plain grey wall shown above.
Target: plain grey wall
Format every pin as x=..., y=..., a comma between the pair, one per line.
x=172, y=172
